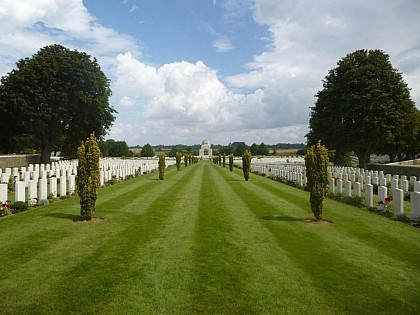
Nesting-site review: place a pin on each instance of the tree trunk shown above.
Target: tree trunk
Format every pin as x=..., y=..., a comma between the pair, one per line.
x=46, y=155
x=363, y=159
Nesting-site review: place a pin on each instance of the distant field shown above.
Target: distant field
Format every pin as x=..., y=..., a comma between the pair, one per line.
x=284, y=151
x=204, y=241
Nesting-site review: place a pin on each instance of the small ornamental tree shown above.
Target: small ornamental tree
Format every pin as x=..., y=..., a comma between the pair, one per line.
x=220, y=159
x=87, y=180
x=189, y=159
x=316, y=162
x=162, y=166
x=186, y=160
x=231, y=162
x=224, y=159
x=246, y=164
x=178, y=158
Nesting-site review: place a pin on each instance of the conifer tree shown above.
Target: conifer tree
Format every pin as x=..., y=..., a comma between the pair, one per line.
x=186, y=160
x=178, y=158
x=231, y=162
x=162, y=166
x=87, y=180
x=316, y=162
x=246, y=164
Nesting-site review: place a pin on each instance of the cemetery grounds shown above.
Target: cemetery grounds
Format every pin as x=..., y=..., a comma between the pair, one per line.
x=204, y=241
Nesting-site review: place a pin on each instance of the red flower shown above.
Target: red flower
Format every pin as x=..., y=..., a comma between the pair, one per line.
x=380, y=202
x=388, y=199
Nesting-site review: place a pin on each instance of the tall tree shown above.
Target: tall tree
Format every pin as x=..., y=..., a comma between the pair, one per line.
x=262, y=149
x=363, y=107
x=57, y=97
x=246, y=164
x=147, y=151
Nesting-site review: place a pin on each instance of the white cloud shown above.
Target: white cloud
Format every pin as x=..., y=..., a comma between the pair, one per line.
x=222, y=44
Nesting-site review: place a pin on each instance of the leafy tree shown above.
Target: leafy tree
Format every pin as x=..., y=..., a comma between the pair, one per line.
x=58, y=97
x=147, y=151
x=162, y=166
x=363, y=107
x=224, y=159
x=240, y=148
x=246, y=164
x=178, y=159
x=262, y=149
x=174, y=151
x=254, y=149
x=186, y=160
x=87, y=179
x=316, y=162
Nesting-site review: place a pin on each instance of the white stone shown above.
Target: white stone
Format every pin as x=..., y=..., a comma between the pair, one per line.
x=382, y=193
x=369, y=195
x=332, y=185
x=398, y=202
x=72, y=184
x=416, y=186
x=43, y=195
x=415, y=206
x=347, y=188
x=53, y=186
x=3, y=193
x=63, y=186
x=394, y=183
x=357, y=189
x=404, y=184
x=20, y=191
x=32, y=189
x=339, y=186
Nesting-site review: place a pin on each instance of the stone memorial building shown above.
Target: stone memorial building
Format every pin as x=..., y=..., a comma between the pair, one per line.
x=205, y=150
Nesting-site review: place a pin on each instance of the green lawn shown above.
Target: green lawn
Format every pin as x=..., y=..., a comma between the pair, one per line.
x=205, y=241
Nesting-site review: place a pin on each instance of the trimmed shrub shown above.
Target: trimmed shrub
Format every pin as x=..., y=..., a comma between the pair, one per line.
x=246, y=164
x=18, y=206
x=316, y=162
x=231, y=157
x=162, y=165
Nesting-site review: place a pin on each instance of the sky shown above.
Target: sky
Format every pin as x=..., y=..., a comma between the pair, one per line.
x=225, y=70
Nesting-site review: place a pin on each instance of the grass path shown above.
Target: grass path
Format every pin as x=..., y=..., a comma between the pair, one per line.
x=204, y=241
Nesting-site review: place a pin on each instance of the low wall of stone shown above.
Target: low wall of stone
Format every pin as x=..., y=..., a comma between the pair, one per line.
x=394, y=169
x=16, y=160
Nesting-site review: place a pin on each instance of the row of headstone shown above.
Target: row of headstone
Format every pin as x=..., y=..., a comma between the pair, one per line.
x=37, y=181
x=349, y=181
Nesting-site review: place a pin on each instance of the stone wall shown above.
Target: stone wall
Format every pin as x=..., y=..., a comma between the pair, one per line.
x=16, y=160
x=396, y=169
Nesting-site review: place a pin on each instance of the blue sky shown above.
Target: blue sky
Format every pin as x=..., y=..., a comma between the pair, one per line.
x=185, y=70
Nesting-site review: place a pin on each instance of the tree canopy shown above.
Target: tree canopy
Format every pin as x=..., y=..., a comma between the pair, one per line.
x=147, y=151
x=56, y=98
x=364, y=106
x=114, y=148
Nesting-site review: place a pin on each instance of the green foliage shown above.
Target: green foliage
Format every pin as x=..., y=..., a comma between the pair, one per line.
x=162, y=166
x=147, y=151
x=189, y=159
x=186, y=160
x=18, y=206
x=219, y=162
x=316, y=162
x=54, y=99
x=174, y=151
x=224, y=159
x=114, y=148
x=178, y=159
x=231, y=157
x=246, y=164
x=87, y=179
x=367, y=107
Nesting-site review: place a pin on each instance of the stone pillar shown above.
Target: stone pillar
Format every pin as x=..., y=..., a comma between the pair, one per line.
x=369, y=195
x=415, y=206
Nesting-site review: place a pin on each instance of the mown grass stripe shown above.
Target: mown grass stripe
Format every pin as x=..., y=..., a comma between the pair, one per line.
x=348, y=258
x=275, y=284
x=217, y=274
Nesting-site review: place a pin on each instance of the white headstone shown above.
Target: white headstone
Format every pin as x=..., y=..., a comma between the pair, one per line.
x=332, y=185
x=63, y=186
x=347, y=188
x=43, y=195
x=415, y=206
x=53, y=186
x=357, y=189
x=3, y=193
x=32, y=189
x=20, y=191
x=369, y=195
x=398, y=202
x=382, y=193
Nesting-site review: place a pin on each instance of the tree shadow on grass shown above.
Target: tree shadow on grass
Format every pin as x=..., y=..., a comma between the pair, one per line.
x=285, y=218
x=67, y=216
